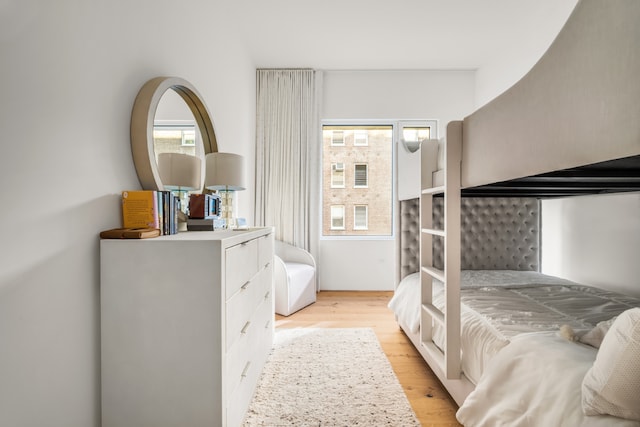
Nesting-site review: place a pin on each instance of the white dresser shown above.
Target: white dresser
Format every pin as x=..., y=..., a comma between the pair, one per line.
x=187, y=324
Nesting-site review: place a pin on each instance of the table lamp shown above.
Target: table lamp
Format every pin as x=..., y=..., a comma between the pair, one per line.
x=225, y=172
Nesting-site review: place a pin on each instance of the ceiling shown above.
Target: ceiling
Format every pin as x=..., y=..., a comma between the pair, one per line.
x=395, y=35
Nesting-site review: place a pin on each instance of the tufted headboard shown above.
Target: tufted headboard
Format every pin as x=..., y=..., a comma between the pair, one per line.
x=409, y=236
x=501, y=233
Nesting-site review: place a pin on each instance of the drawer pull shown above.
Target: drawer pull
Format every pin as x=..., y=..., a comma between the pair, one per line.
x=245, y=286
x=245, y=327
x=266, y=296
x=245, y=370
x=268, y=324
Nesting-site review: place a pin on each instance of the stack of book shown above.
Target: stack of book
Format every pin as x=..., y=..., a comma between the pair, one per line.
x=200, y=224
x=204, y=212
x=150, y=209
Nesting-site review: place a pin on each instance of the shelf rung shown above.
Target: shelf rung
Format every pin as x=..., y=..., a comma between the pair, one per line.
x=433, y=231
x=434, y=272
x=434, y=312
x=436, y=354
x=433, y=190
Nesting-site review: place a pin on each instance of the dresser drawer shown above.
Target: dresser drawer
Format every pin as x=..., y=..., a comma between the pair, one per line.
x=265, y=326
x=240, y=308
x=246, y=370
x=240, y=355
x=241, y=264
x=253, y=343
x=240, y=398
x=264, y=280
x=245, y=361
x=265, y=250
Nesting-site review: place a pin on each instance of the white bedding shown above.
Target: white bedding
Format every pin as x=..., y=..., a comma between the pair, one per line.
x=524, y=386
x=497, y=305
x=405, y=302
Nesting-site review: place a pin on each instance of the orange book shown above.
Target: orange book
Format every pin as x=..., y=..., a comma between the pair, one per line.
x=130, y=233
x=140, y=209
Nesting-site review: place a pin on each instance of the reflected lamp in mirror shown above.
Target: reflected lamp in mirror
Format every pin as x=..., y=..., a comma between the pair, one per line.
x=180, y=173
x=225, y=174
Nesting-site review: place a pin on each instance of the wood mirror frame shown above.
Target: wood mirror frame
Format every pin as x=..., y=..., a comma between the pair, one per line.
x=142, y=123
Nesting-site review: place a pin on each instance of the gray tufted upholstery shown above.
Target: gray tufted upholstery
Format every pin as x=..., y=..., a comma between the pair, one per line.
x=501, y=233
x=409, y=236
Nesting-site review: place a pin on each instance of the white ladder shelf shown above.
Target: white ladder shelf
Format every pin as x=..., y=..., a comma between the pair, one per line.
x=447, y=358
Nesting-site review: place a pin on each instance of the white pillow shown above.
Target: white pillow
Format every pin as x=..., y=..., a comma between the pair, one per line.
x=612, y=384
x=595, y=336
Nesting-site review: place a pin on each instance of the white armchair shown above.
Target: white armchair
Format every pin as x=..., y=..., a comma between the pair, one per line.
x=294, y=277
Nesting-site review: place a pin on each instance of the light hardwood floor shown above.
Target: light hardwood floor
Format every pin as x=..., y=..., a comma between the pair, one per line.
x=429, y=399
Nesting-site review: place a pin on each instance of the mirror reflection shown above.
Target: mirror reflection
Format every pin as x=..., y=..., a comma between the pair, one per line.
x=174, y=127
x=175, y=131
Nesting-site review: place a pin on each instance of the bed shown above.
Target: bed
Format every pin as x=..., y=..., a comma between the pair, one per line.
x=498, y=305
x=568, y=127
x=530, y=309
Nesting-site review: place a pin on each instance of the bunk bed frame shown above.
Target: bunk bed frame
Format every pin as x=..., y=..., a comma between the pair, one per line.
x=570, y=126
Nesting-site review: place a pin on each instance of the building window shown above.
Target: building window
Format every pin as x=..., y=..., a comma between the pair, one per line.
x=360, y=217
x=366, y=179
x=337, y=217
x=360, y=138
x=337, y=175
x=337, y=138
x=361, y=176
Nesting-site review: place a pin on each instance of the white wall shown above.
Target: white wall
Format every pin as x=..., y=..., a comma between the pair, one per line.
x=496, y=76
x=593, y=240
x=440, y=95
x=70, y=71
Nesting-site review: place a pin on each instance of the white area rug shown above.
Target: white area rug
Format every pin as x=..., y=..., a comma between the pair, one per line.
x=329, y=377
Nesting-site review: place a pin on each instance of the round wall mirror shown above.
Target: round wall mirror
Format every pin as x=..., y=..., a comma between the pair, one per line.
x=164, y=107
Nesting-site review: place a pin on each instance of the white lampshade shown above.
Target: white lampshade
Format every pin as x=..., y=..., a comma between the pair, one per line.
x=179, y=171
x=225, y=171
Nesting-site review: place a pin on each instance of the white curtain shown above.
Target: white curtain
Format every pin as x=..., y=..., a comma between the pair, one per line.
x=288, y=154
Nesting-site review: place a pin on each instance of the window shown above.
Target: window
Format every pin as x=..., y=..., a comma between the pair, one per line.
x=337, y=217
x=412, y=132
x=360, y=138
x=360, y=217
x=416, y=133
x=357, y=173
x=337, y=175
x=189, y=138
x=361, y=176
x=337, y=137
x=174, y=137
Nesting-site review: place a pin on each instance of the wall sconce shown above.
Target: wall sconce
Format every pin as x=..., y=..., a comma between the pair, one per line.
x=411, y=146
x=225, y=173
x=412, y=134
